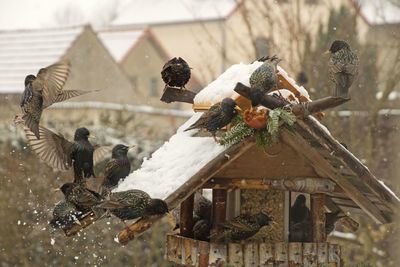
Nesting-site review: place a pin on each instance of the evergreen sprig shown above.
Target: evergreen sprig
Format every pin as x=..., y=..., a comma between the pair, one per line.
x=263, y=137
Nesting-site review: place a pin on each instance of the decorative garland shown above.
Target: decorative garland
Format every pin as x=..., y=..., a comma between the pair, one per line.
x=263, y=137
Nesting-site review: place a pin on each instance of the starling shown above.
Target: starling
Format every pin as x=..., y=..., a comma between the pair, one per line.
x=331, y=219
x=117, y=167
x=218, y=116
x=201, y=230
x=43, y=90
x=84, y=199
x=202, y=207
x=343, y=67
x=132, y=204
x=264, y=77
x=176, y=73
x=300, y=221
x=61, y=154
x=241, y=227
x=64, y=215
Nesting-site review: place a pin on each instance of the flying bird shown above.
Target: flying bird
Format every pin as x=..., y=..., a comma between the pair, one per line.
x=132, y=204
x=343, y=67
x=61, y=154
x=176, y=73
x=64, y=215
x=218, y=116
x=117, y=167
x=83, y=198
x=43, y=90
x=264, y=77
x=241, y=227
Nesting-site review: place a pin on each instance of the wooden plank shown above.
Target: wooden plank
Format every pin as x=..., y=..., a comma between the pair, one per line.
x=251, y=255
x=281, y=252
x=322, y=253
x=350, y=161
x=318, y=217
x=235, y=255
x=187, y=250
x=323, y=167
x=267, y=255
x=204, y=253
x=218, y=254
x=218, y=208
x=194, y=253
x=172, y=94
x=334, y=254
x=295, y=254
x=84, y=222
x=310, y=258
x=186, y=217
x=173, y=245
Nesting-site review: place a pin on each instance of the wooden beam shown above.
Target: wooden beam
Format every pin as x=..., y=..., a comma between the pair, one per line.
x=172, y=94
x=318, y=217
x=325, y=169
x=85, y=221
x=188, y=188
x=312, y=126
x=186, y=217
x=219, y=197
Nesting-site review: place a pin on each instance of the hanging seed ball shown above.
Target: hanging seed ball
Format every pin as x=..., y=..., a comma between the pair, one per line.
x=256, y=119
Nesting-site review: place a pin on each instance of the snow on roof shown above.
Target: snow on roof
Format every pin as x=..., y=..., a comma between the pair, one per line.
x=119, y=41
x=223, y=86
x=173, y=11
x=24, y=52
x=174, y=163
x=379, y=11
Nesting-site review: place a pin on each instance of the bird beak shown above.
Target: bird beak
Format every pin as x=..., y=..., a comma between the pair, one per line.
x=130, y=147
x=238, y=108
x=274, y=223
x=56, y=189
x=92, y=136
x=326, y=52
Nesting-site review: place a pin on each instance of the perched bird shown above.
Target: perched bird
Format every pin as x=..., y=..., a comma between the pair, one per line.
x=62, y=154
x=264, y=77
x=300, y=221
x=202, y=207
x=241, y=227
x=331, y=219
x=218, y=116
x=343, y=67
x=201, y=230
x=43, y=90
x=117, y=167
x=84, y=199
x=176, y=73
x=132, y=204
x=64, y=215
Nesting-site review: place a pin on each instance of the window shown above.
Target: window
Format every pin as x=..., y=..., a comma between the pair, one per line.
x=153, y=86
x=262, y=46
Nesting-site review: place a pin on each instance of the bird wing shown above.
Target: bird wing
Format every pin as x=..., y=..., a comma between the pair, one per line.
x=212, y=113
x=51, y=148
x=85, y=197
x=53, y=78
x=65, y=95
x=100, y=153
x=237, y=223
x=111, y=166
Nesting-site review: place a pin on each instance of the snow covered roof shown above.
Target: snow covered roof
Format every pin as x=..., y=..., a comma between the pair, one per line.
x=173, y=163
x=378, y=11
x=120, y=41
x=24, y=52
x=149, y=12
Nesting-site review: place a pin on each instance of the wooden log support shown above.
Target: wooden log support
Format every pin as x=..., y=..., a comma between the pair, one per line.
x=218, y=208
x=137, y=228
x=251, y=255
x=235, y=252
x=295, y=254
x=318, y=217
x=172, y=94
x=310, y=257
x=186, y=217
x=300, y=110
x=204, y=254
x=85, y=221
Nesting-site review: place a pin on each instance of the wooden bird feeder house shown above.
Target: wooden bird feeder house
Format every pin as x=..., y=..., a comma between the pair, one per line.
x=246, y=179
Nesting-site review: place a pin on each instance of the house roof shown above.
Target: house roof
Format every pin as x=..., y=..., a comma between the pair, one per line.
x=24, y=52
x=150, y=12
x=186, y=162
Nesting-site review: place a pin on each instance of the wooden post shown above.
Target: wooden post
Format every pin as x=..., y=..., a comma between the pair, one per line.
x=318, y=217
x=186, y=217
x=219, y=208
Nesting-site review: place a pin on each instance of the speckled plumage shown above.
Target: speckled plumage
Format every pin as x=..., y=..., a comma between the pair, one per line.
x=343, y=67
x=201, y=230
x=241, y=227
x=218, y=116
x=117, y=168
x=202, y=207
x=64, y=214
x=176, y=72
x=132, y=204
x=264, y=77
x=83, y=198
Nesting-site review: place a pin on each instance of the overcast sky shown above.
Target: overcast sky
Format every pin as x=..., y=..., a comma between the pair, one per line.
x=22, y=14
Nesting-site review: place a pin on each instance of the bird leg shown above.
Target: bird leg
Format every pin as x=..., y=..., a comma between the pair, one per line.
x=215, y=138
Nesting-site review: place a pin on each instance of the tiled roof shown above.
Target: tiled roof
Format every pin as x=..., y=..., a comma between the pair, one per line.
x=120, y=41
x=24, y=52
